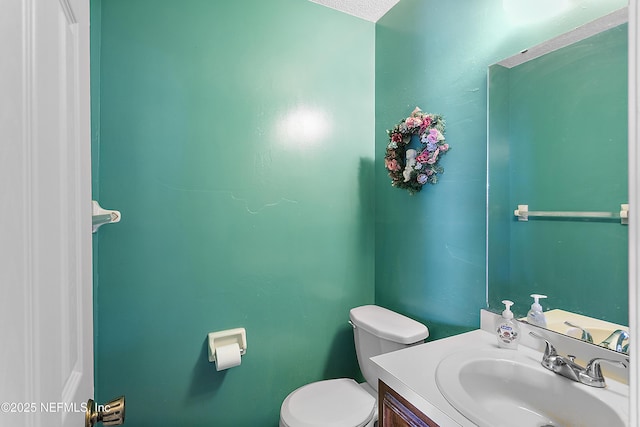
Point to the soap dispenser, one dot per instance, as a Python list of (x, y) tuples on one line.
[(535, 316), (507, 329)]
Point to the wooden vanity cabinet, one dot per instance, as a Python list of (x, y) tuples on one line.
[(395, 411)]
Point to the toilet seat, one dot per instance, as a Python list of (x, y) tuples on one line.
[(331, 403)]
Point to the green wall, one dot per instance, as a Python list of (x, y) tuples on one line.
[(566, 114), (430, 248), (236, 140)]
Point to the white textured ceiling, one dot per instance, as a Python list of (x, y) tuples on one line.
[(371, 10)]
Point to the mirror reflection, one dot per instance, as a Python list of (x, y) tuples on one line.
[(557, 156)]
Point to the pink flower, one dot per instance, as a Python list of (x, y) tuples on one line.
[(426, 122), (444, 147), (434, 157), (423, 157), (413, 122), (429, 172), (392, 164), (416, 111), (396, 137)]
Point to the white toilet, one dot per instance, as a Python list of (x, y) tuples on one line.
[(343, 402)]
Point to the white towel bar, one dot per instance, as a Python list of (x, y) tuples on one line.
[(523, 213)]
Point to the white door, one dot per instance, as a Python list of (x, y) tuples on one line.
[(46, 328)]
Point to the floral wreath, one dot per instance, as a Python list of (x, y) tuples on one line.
[(410, 168)]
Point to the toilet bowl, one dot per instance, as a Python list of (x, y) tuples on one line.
[(331, 403), (343, 402)]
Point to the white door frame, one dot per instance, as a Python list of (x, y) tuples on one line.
[(634, 210)]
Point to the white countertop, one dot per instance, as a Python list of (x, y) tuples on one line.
[(412, 373)]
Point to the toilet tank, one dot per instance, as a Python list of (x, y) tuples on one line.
[(377, 330)]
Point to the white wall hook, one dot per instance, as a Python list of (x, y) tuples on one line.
[(103, 216)]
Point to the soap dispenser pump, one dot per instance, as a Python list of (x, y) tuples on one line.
[(535, 316), (507, 329)]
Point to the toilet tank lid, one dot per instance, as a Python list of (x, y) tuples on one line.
[(387, 324)]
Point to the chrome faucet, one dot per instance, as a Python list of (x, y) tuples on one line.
[(590, 375), (586, 336), (621, 336)]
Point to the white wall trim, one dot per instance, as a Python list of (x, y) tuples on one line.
[(29, 131), (589, 29), (634, 220)]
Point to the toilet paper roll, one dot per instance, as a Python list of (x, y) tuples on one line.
[(227, 356)]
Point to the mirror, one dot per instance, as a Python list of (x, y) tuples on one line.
[(557, 143)]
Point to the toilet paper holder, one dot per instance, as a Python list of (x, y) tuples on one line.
[(227, 337)]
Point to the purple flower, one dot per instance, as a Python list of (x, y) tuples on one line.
[(433, 136), (422, 179)]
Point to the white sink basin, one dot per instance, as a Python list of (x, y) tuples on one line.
[(506, 388)]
